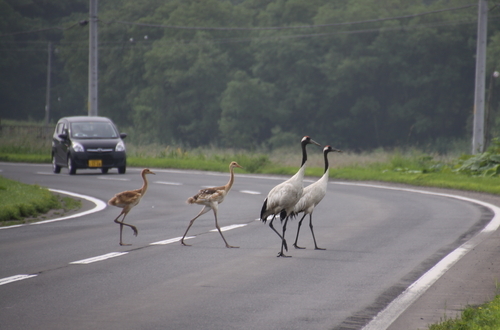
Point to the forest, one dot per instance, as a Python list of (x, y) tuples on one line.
[(357, 74)]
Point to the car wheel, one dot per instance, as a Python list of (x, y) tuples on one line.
[(122, 170), (71, 165), (55, 168), (104, 170)]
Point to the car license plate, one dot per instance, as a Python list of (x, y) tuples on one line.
[(95, 163)]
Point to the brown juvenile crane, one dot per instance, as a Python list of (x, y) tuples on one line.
[(127, 200), (210, 198)]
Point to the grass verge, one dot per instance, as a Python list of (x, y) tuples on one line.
[(484, 317), (21, 203)]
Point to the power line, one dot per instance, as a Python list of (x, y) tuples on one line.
[(84, 22), (287, 27), (148, 43), (43, 30)]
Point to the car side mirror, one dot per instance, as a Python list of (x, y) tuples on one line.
[(63, 136), (123, 135)]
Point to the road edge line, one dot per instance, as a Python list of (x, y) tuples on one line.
[(395, 308)]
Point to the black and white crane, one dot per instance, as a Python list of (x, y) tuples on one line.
[(283, 197), (311, 196)]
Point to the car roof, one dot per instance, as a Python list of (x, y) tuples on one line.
[(85, 118)]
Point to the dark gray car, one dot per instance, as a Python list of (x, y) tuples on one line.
[(88, 142)]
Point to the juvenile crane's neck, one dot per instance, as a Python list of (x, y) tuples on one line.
[(144, 184), (231, 178)]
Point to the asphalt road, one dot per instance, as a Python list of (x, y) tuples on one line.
[(378, 242)]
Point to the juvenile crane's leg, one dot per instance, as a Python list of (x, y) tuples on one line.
[(122, 223), (312, 231), (298, 230), (214, 208), (204, 210), (283, 241)]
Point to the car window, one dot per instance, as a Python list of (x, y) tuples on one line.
[(60, 128), (93, 130)]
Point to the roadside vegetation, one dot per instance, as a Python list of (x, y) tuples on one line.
[(484, 317), (22, 203)]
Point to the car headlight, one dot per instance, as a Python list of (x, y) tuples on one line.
[(120, 146), (77, 147)]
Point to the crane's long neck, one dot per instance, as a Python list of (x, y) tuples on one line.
[(304, 154), (327, 165), (145, 184), (231, 179)]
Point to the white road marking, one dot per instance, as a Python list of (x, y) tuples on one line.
[(99, 258), (388, 315), (226, 228), (112, 178), (14, 278), (251, 192), (169, 183), (45, 173), (169, 241), (99, 205)]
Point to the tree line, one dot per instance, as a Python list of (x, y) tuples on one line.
[(358, 74)]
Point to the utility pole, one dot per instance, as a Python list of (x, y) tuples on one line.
[(478, 128), (93, 60), (47, 95)]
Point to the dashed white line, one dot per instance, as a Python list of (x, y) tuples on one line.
[(14, 278), (226, 228), (99, 258), (171, 240), (112, 178), (251, 192), (169, 183)]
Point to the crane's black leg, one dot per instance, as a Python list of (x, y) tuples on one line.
[(312, 231), (283, 241), (298, 230)]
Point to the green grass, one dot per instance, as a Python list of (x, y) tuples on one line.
[(484, 317), (19, 200)]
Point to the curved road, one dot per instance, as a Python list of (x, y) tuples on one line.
[(73, 274)]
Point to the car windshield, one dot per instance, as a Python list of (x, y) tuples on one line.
[(93, 130)]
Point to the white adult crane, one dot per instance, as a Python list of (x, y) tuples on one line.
[(282, 198), (312, 195)]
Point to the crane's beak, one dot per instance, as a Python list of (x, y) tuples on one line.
[(336, 150), (314, 142)]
